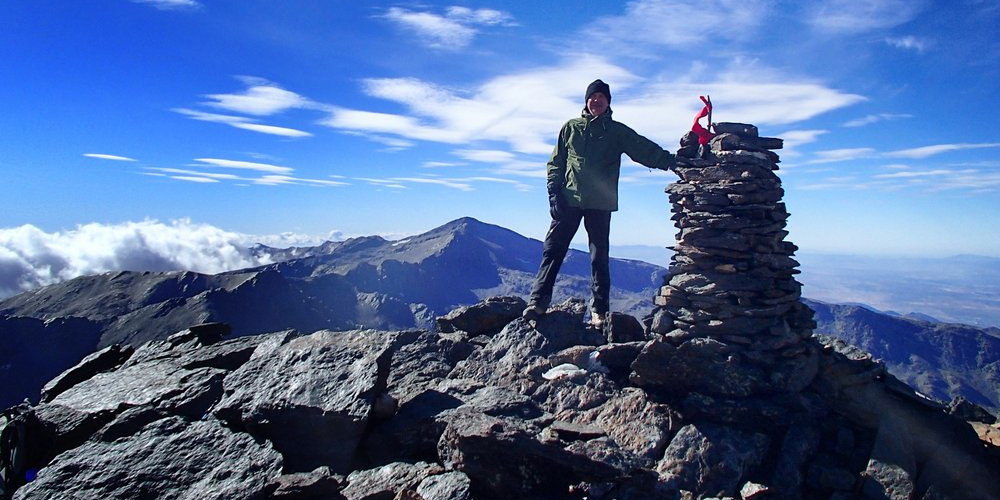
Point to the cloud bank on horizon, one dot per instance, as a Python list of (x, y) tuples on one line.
[(31, 258)]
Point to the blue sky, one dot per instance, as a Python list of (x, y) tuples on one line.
[(299, 120)]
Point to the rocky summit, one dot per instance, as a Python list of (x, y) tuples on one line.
[(501, 408), (722, 391)]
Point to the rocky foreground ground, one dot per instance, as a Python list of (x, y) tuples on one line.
[(489, 407)]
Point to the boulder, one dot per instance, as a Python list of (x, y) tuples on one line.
[(389, 480), (413, 432), (178, 459), (448, 486), (605, 450), (487, 317), (699, 365), (420, 360), (799, 444), (318, 484), (515, 357), (159, 383), (636, 423), (621, 328), (226, 355), (753, 491), (501, 456), (711, 459), (574, 393), (312, 396)]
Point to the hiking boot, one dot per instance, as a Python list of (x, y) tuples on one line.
[(597, 319), (533, 312)]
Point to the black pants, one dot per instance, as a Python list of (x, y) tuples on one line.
[(561, 232)]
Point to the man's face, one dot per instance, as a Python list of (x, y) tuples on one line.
[(597, 103)]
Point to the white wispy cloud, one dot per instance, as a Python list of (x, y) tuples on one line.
[(833, 185), (197, 179), (908, 43), (274, 175), (275, 180), (455, 29), (497, 111), (108, 157), (171, 4), (842, 179), (858, 16), (523, 168), (971, 181), (190, 173), (245, 165), (745, 91), (925, 151), (441, 164), (843, 154), (520, 186), (792, 139), (494, 111), (875, 118), (485, 155), (393, 143), (242, 122), (261, 98), (486, 17), (461, 184), (925, 173), (389, 183), (974, 183), (679, 24)]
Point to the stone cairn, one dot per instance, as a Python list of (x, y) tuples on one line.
[(730, 296)]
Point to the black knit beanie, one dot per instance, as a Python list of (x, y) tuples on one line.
[(598, 86)]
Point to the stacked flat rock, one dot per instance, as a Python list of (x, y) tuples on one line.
[(731, 279)]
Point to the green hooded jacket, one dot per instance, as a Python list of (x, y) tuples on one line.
[(588, 157)]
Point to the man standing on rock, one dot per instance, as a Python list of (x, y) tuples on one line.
[(583, 185)]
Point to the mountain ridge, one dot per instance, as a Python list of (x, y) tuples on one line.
[(366, 282), (372, 282), (966, 357)]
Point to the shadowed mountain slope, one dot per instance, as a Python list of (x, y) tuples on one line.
[(371, 282), (367, 282), (941, 360)]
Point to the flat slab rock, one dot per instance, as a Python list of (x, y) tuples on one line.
[(178, 459), (312, 397), (159, 383)]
